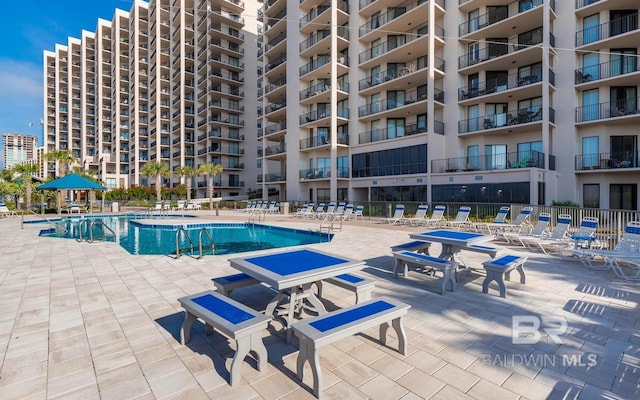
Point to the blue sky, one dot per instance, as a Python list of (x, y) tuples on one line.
[(27, 28)]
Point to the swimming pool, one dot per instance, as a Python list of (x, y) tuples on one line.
[(140, 234)]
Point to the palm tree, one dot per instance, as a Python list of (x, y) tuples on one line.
[(188, 172), (210, 170), (25, 171), (159, 170), (65, 159)]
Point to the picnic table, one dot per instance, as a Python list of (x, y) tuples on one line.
[(452, 241)]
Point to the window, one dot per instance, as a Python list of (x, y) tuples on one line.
[(324, 195), (495, 156), (473, 157), (622, 21), (421, 123), (623, 196), (624, 151), (529, 74), (497, 81), (343, 166), (324, 167), (375, 75), (590, 150), (474, 52), (530, 154), (405, 160), (395, 99), (473, 113), (622, 61), (591, 67), (473, 22), (375, 130), (589, 108), (623, 100), (395, 127), (376, 48), (375, 103), (497, 47), (591, 195), (497, 13), (590, 29), (530, 38), (394, 41), (495, 115), (323, 136)]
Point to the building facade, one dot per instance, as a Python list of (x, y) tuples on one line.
[(525, 101), (18, 148)]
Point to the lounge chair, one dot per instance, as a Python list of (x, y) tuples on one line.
[(74, 208), (180, 205), (558, 233), (585, 236), (300, 211), (197, 206), (398, 215), (5, 212), (462, 218), (329, 211), (520, 225), (348, 212), (436, 216), (625, 255), (158, 207), (339, 209), (309, 212), (538, 232), (190, 206), (498, 221), (359, 212), (419, 218)]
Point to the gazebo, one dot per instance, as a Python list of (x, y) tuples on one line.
[(73, 182)]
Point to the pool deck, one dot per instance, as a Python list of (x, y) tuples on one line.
[(91, 321)]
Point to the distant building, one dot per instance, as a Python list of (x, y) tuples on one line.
[(18, 148)]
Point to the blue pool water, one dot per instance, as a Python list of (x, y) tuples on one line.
[(159, 237)]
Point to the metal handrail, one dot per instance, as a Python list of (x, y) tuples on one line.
[(102, 226), (60, 226), (201, 254), (83, 222), (178, 253)]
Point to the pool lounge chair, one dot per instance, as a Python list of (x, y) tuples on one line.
[(584, 237), (419, 218), (499, 220), (398, 215), (558, 233), (462, 218), (436, 216), (359, 212), (180, 205), (348, 212), (626, 255), (539, 231), (520, 225), (319, 211), (5, 212)]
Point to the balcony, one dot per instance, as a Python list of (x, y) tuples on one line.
[(612, 160), (390, 45), (315, 173), (618, 109), (508, 119), (628, 23), (498, 85), (400, 101), (276, 177), (500, 14), (273, 150), (513, 160), (321, 140), (380, 19), (314, 38), (384, 134), (623, 66)]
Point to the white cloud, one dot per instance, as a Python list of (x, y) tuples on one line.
[(20, 84)]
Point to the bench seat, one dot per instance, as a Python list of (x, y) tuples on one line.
[(229, 283), (448, 268), (234, 320), (362, 287), (500, 268), (417, 245), (323, 330)]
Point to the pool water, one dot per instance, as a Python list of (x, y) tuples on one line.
[(159, 237)]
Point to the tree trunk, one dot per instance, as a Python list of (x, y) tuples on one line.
[(158, 188), (210, 184), (188, 183)]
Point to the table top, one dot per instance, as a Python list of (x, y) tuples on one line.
[(450, 237), (286, 269)]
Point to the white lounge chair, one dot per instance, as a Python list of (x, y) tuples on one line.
[(398, 215), (419, 218), (348, 212), (319, 211), (498, 221), (520, 225), (436, 216), (180, 205), (585, 236), (5, 212), (539, 231), (462, 218), (359, 212)]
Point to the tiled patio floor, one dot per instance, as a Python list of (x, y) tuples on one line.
[(85, 321)]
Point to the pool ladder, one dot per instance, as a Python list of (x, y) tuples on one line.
[(260, 215), (201, 233), (100, 226)]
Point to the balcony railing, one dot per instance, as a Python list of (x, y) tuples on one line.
[(271, 150), (606, 30), (612, 160), (319, 61), (513, 160), (616, 109), (313, 14), (392, 103), (514, 44), (389, 45), (322, 140), (380, 19), (314, 38), (499, 14), (399, 72), (385, 134), (498, 85), (584, 3), (624, 65), (510, 118), (273, 128), (317, 115), (315, 173)]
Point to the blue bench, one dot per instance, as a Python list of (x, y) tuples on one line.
[(362, 287), (323, 330), (231, 318), (417, 245), (229, 283), (500, 268), (448, 268)]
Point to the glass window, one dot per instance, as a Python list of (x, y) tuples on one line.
[(473, 113), (590, 152), (473, 20), (473, 157), (591, 67), (623, 196), (590, 110), (495, 156), (591, 29), (395, 127), (622, 61), (591, 195)]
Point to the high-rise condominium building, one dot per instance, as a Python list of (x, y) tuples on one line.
[(18, 148), (524, 101)]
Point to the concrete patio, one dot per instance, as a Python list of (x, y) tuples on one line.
[(85, 321)]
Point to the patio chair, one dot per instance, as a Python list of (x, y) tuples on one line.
[(339, 209), (348, 212), (462, 218), (625, 255), (520, 225), (300, 211), (158, 206), (5, 212), (330, 209), (398, 215), (319, 211), (498, 221), (190, 206), (359, 212), (180, 205), (436, 216), (197, 206), (419, 218), (539, 231), (310, 211), (166, 206), (585, 236)]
